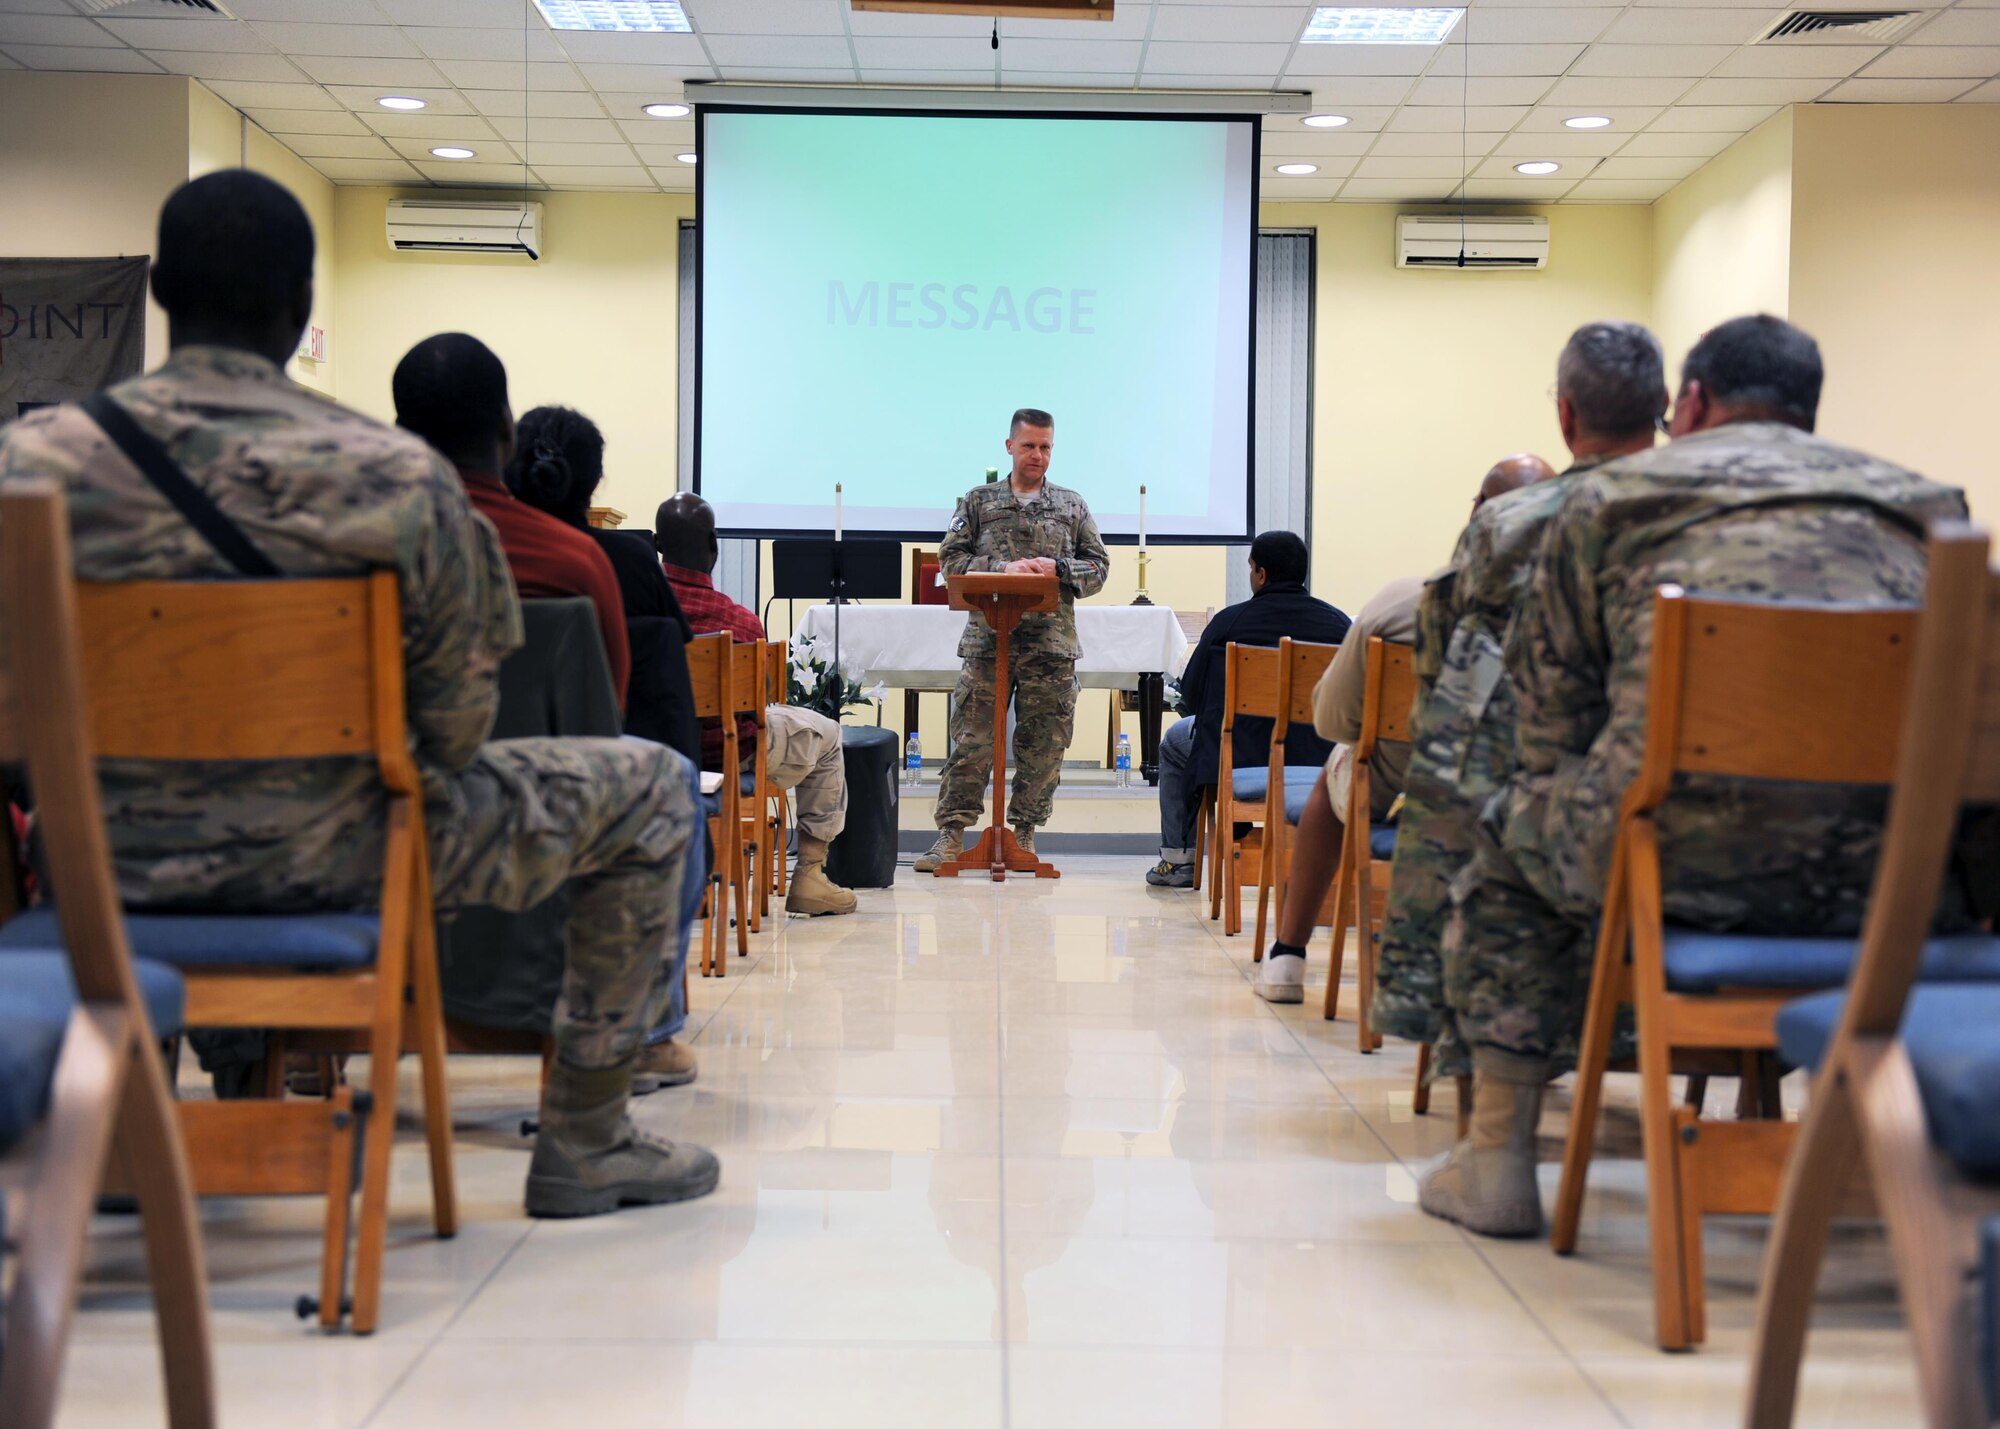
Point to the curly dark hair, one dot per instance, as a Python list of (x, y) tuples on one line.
[(558, 462)]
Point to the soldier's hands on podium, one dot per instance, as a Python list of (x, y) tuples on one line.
[(1032, 566)]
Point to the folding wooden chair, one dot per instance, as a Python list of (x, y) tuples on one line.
[(776, 803), (747, 694), (1913, 1115), (710, 671), (1361, 886), (109, 1099), (1747, 690), (1300, 664)]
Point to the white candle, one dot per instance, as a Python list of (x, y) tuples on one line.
[(836, 511), (1142, 518)]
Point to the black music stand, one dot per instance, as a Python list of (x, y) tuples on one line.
[(836, 571)]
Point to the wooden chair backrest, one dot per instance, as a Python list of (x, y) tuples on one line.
[(44, 723), (777, 672), (1300, 665), (1389, 695), (924, 568), (1764, 690), (708, 673), (1250, 679), (1193, 623), (746, 679)]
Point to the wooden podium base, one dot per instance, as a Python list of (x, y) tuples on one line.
[(997, 852)]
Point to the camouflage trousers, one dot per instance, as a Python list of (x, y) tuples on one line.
[(612, 820), (1044, 695)]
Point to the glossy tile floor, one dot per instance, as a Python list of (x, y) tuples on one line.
[(1030, 1155)]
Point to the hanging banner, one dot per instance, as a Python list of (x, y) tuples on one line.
[(68, 327)]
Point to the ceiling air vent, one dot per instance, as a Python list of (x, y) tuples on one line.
[(157, 9), (1878, 25)]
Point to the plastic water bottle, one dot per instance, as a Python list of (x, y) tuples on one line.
[(913, 761), (1124, 760)]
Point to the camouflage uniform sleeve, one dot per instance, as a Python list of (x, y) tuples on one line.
[(1557, 653), (958, 552), (461, 618), (1084, 570)]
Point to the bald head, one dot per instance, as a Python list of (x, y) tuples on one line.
[(684, 532), (1511, 473)]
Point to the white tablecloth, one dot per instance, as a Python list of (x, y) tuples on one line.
[(916, 646)]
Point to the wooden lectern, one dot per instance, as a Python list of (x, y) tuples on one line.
[(1000, 600)]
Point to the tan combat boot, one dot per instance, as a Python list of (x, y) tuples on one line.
[(663, 1064), (1487, 1184), (950, 844), (590, 1159), (812, 892), (1024, 835)]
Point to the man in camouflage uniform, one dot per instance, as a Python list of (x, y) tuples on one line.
[(1024, 524), (1745, 501), (321, 490), (1611, 390)]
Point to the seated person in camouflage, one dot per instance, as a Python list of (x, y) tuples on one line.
[(1611, 391), (1027, 525), (1191, 751), (322, 490), (1746, 501)]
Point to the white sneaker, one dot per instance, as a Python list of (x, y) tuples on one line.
[(1281, 978)]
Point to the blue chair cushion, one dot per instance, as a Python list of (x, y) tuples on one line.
[(1382, 841), (36, 996), (1699, 962), (320, 941), (749, 786), (1952, 1035), (1251, 785)]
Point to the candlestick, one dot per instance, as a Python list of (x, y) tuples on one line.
[(1142, 522), (836, 511)]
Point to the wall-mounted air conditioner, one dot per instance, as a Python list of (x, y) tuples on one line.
[(418, 225), (1425, 240)]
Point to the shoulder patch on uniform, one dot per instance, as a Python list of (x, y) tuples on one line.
[(958, 523)]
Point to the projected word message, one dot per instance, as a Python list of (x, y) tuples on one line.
[(962, 308)]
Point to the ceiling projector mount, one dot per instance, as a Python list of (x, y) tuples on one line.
[(990, 9)]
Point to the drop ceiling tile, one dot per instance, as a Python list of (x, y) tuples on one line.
[(336, 146), (459, 173), (660, 79), (1898, 91), (516, 43), (1518, 60), (365, 171), (94, 59), (760, 74), (274, 96), (1079, 56), (1634, 61), (1563, 144), (782, 51), (1392, 191), (1596, 190), (923, 52), (440, 128), (1251, 82), (1937, 62), (1656, 143), (306, 121), (1128, 23), (1215, 59), (53, 30), (39, 7), (873, 22), (1624, 120), (1988, 93), (1502, 167), (593, 176), (356, 41), (1491, 117), (489, 151), (1341, 94), (6, 63), (1623, 166), (1553, 24), (1960, 27), (1359, 116), (559, 131), (663, 156), (1548, 190), (599, 156), (1314, 188), (1410, 166), (1755, 91), (587, 47), (274, 69), (929, 78), (1307, 145), (1685, 26), (1592, 93), (1801, 61), (329, 69), (677, 178), (215, 36), (1323, 169), (361, 99), (1279, 24), (348, 12), (1360, 59), (1713, 118), (674, 134), (1456, 90), (765, 17), (630, 104), (511, 74), (540, 103), (1391, 146)]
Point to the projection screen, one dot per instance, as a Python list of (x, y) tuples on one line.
[(879, 291)]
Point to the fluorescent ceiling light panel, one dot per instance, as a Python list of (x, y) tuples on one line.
[(1298, 168), (627, 15), (1324, 121), (1338, 25)]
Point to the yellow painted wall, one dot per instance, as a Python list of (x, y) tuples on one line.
[(1722, 240), (1896, 270)]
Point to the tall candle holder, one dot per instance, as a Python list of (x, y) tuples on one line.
[(1142, 598)]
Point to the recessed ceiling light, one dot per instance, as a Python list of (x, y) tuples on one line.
[(1588, 121), (399, 101), (1298, 168), (1324, 121), (653, 15), (687, 158), (1539, 166), (668, 111), (451, 152), (1338, 25)]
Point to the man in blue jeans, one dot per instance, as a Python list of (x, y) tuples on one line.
[(1191, 752)]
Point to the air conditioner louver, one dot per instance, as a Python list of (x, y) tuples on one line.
[(162, 9), (443, 226), (1878, 25), (1475, 241)]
